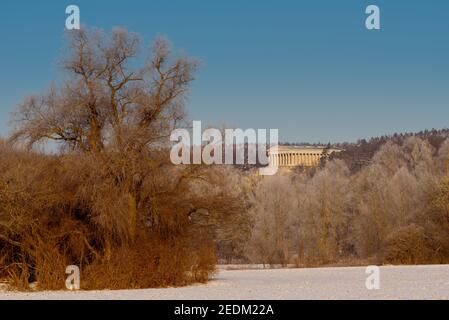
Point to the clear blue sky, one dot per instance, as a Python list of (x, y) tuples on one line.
[(309, 68)]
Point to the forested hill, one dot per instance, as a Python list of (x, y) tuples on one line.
[(358, 154)]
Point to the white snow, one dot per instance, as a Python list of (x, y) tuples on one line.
[(396, 282)]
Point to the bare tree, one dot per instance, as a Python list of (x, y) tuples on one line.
[(106, 102), (110, 110)]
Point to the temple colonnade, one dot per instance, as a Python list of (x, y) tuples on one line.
[(292, 156)]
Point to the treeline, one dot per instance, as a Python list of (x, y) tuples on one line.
[(357, 155), (394, 209)]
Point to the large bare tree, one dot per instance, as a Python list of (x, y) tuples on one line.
[(116, 113), (120, 116), (107, 102)]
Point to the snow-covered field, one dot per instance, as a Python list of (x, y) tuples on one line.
[(396, 282)]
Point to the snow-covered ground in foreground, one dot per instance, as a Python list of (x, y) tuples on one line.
[(396, 282)]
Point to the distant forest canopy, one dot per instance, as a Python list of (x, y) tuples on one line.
[(436, 135), (357, 154)]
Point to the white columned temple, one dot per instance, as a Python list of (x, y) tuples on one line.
[(298, 156)]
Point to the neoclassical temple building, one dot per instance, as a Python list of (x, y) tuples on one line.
[(296, 156)]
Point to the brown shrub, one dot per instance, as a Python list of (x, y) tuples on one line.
[(407, 245), (60, 211), (152, 263)]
